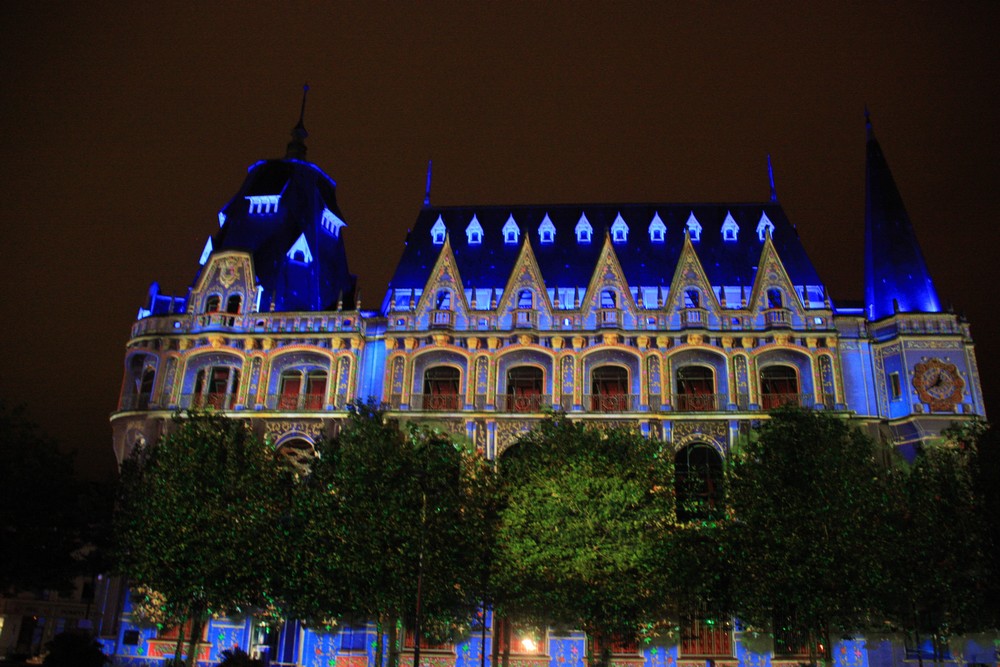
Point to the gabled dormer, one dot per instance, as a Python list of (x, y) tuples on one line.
[(225, 290), (657, 230), (608, 301), (765, 228), (691, 301), (693, 228), (511, 232), (730, 230), (474, 231), (525, 301), (442, 303), (619, 230), (300, 251), (546, 231), (584, 230), (774, 302), (439, 232)]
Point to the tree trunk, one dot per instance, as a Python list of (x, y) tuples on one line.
[(179, 646), (393, 640), (506, 643), (197, 623), (495, 644), (379, 641)]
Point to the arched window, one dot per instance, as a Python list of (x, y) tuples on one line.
[(524, 389), (692, 298), (609, 299), (443, 301), (441, 387), (609, 389), (779, 385), (213, 303), (289, 390), (233, 304), (298, 454), (525, 299), (302, 390), (774, 298), (216, 387), (145, 388), (696, 389), (698, 482)]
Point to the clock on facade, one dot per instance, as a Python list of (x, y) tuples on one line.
[(938, 384)]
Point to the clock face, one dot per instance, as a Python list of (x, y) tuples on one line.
[(938, 383)]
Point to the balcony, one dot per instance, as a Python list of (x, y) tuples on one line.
[(210, 400), (219, 320), (777, 318), (700, 402), (608, 317), (774, 401), (523, 402), (294, 402), (611, 402), (442, 319), (524, 319), (435, 402), (694, 318)]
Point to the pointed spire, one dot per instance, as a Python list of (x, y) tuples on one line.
[(296, 149), (427, 189), (770, 178), (896, 275)]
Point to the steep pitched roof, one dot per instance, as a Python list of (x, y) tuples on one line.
[(567, 262), (896, 274)]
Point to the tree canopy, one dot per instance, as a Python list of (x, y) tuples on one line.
[(196, 518), (584, 511)]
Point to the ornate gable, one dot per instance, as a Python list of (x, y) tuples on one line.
[(771, 276), (444, 280), (608, 275), (690, 290), (525, 276), (225, 274)]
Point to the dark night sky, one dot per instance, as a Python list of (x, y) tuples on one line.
[(126, 127)]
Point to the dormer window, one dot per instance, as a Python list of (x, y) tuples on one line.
[(774, 298), (525, 299), (692, 299), (263, 204), (331, 222), (474, 231), (765, 227), (730, 229), (583, 230), (546, 230), (300, 252), (438, 232), (609, 299), (693, 227), (619, 230), (657, 230), (213, 303), (511, 232)]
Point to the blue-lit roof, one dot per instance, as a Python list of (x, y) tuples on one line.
[(896, 275), (567, 262)]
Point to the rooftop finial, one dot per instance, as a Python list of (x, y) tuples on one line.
[(427, 189), (770, 178), (296, 149)]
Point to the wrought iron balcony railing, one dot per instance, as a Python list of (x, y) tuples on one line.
[(436, 402), (217, 401), (700, 402), (611, 402), (523, 402), (294, 402)]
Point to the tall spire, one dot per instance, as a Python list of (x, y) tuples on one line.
[(770, 179), (896, 275), (296, 149), (427, 189)]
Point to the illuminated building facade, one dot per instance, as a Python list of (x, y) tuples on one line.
[(686, 321)]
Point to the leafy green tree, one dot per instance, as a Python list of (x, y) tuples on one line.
[(47, 517), (584, 513), (196, 518), (938, 590), (387, 515), (813, 504)]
